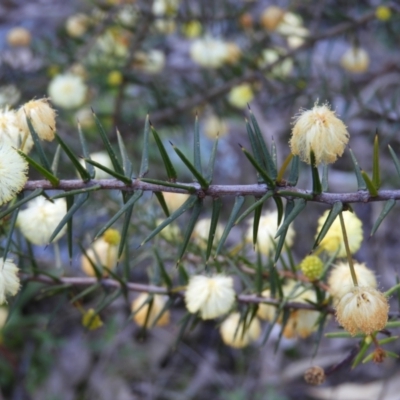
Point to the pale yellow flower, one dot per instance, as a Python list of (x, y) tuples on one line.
[(362, 309), (91, 320), (319, 130), (269, 56), (209, 52), (333, 240), (171, 232), (174, 200), (42, 116), (202, 229), (291, 26), (355, 60), (146, 312), (241, 95), (271, 17), (266, 311), (383, 13), (9, 280), (340, 281), (102, 158), (19, 37), (11, 132), (67, 90), (211, 297), (9, 95), (103, 253), (233, 53), (192, 29), (151, 62), (77, 25), (13, 172), (267, 228), (85, 117), (214, 126), (41, 217), (239, 333), (312, 267)]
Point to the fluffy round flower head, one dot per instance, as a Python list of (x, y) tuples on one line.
[(241, 95), (271, 17), (291, 26), (76, 25), (214, 126), (312, 267), (102, 158), (67, 91), (11, 132), (174, 200), (319, 130), (355, 60), (19, 36), (211, 296), (333, 240), (283, 69), (340, 281), (267, 228), (103, 253), (146, 313), (209, 52), (362, 309), (239, 333), (9, 280), (42, 116), (13, 172), (201, 231), (39, 220)]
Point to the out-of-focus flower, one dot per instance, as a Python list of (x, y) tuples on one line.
[(102, 158), (211, 296), (114, 78), (13, 173), (201, 232), (147, 310), (214, 126), (9, 280), (233, 53), (67, 91), (314, 376), (77, 25), (333, 240), (340, 281), (209, 52), (151, 62), (383, 13), (103, 253), (192, 29), (312, 267), (39, 220), (127, 15), (271, 17), (174, 200), (165, 10), (42, 116), (3, 316), (267, 228), (266, 311), (9, 95), (11, 132), (19, 36), (291, 26), (79, 70), (239, 333), (281, 70), (85, 117), (355, 60), (91, 320), (241, 95), (320, 130), (246, 21), (171, 232), (362, 309)]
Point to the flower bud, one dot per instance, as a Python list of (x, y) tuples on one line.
[(91, 320), (383, 13), (312, 267), (241, 95), (146, 311)]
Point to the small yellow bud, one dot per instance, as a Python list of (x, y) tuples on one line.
[(241, 95), (312, 267), (314, 376), (91, 320), (112, 237), (383, 13), (192, 29), (18, 37), (114, 78)]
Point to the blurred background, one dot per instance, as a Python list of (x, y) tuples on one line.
[(175, 60)]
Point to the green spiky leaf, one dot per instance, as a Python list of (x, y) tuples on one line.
[(333, 213), (385, 211), (171, 173)]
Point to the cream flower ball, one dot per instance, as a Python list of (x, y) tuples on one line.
[(13, 173), (266, 311), (67, 91), (77, 25), (174, 200), (12, 133), (39, 220), (340, 281), (267, 228), (319, 130), (211, 296), (209, 52), (19, 36), (355, 60), (241, 95), (201, 231), (333, 240), (362, 309), (9, 280), (147, 313), (239, 333), (102, 158), (42, 116)]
